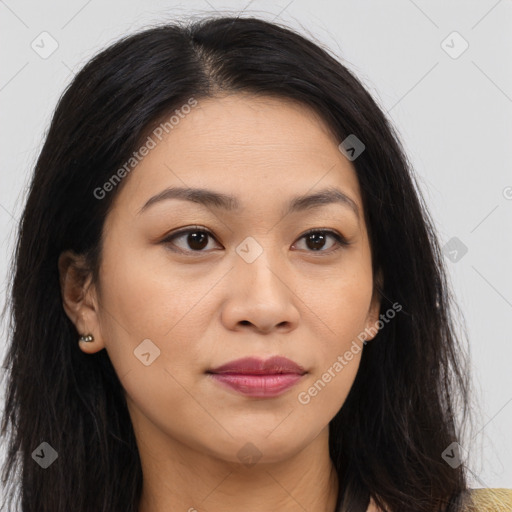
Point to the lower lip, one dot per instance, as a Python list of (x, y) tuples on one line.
[(260, 386)]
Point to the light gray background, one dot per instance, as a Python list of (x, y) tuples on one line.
[(454, 116)]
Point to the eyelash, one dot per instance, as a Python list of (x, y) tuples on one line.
[(340, 240)]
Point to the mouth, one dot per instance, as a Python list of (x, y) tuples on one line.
[(259, 378)]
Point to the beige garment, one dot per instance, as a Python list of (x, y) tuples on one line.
[(490, 500), (483, 500)]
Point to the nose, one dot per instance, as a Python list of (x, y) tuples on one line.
[(260, 297)]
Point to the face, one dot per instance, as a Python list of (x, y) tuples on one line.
[(190, 285)]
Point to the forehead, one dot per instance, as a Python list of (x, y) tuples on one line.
[(242, 145), (238, 123)]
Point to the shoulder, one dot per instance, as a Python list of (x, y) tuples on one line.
[(489, 500)]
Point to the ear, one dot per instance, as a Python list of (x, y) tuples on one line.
[(79, 299), (373, 312)]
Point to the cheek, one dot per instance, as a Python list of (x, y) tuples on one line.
[(147, 297), (144, 310), (338, 312), (337, 357), (325, 392), (338, 306), (154, 326)]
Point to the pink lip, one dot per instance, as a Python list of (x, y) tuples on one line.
[(258, 378)]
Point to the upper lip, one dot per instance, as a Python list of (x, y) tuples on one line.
[(256, 366)]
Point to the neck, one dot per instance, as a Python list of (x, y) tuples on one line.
[(180, 478)]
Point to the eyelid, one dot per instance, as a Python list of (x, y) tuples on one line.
[(167, 240), (341, 241), (339, 237)]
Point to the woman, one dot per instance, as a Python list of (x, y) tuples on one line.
[(225, 210)]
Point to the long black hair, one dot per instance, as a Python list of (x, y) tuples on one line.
[(410, 396)]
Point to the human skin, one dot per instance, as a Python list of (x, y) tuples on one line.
[(203, 309)]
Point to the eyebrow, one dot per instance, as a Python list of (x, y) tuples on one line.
[(219, 200)]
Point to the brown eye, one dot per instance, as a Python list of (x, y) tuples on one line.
[(316, 240), (197, 240), (192, 240)]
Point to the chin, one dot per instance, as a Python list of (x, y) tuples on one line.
[(261, 448)]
